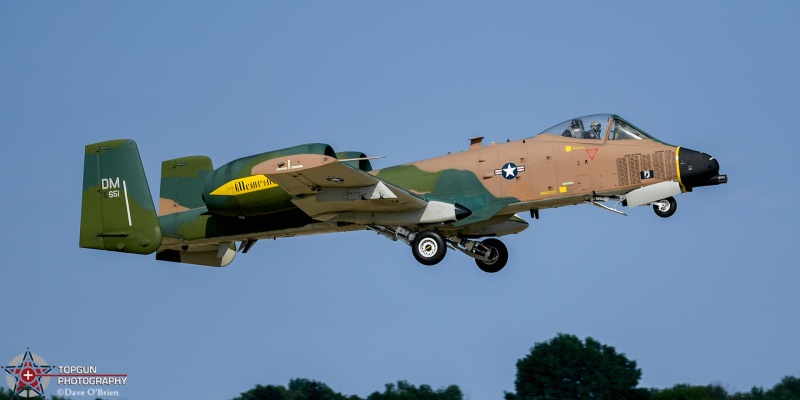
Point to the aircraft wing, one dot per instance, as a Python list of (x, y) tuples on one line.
[(329, 190)]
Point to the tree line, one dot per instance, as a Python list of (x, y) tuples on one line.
[(303, 389), (562, 368)]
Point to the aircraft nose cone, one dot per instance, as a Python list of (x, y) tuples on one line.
[(697, 168)]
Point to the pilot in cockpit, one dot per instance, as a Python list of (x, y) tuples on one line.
[(575, 129), (594, 131)]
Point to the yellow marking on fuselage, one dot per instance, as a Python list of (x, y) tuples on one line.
[(678, 167), (244, 185), (547, 192), (562, 189)]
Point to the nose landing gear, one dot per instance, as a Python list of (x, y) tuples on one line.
[(666, 207)]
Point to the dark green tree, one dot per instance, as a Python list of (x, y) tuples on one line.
[(690, 392), (787, 389), (269, 392), (306, 389), (566, 368), (299, 389), (717, 392), (756, 393), (406, 391)]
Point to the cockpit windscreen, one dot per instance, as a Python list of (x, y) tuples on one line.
[(588, 127), (598, 126)]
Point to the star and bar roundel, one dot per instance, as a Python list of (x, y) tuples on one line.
[(510, 170)]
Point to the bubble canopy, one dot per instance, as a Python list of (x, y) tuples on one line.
[(598, 127)]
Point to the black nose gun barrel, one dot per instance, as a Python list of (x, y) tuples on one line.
[(715, 180)]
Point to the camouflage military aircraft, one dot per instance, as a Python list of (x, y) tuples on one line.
[(448, 201)]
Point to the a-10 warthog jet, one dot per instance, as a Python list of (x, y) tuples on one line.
[(448, 201)]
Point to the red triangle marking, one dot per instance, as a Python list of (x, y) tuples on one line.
[(591, 152)]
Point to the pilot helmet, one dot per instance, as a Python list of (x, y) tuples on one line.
[(576, 124), (595, 125)]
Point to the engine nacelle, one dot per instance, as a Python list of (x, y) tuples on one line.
[(355, 159), (233, 189)]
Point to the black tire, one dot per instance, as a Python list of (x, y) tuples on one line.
[(498, 254), (669, 208), (428, 248)]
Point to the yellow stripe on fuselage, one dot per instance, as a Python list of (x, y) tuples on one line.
[(245, 185), (678, 167)]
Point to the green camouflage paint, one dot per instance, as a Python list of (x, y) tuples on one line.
[(117, 210)]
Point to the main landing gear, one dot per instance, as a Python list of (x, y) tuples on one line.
[(496, 256), (430, 247)]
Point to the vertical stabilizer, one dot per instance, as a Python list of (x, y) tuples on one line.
[(182, 183), (117, 210)]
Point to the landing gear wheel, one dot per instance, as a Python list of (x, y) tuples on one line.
[(498, 256), (428, 248), (665, 208)]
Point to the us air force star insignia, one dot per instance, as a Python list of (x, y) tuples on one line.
[(510, 170)]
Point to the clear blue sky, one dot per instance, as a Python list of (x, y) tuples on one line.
[(709, 295)]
